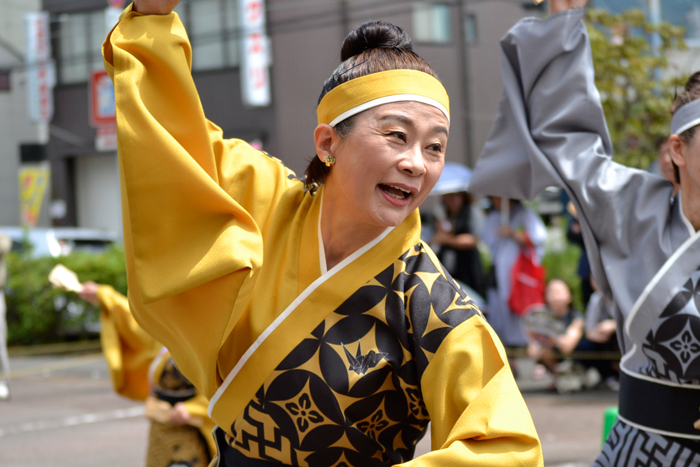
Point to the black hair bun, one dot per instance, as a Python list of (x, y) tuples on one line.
[(375, 35), (691, 85)]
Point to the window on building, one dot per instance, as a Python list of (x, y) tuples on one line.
[(211, 26), (470, 29), (80, 37), (432, 23)]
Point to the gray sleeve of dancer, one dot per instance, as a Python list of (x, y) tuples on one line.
[(551, 131)]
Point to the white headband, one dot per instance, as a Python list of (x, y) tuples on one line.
[(686, 117)]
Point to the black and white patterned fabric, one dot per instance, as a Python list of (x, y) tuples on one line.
[(673, 345), (349, 394), (628, 446)]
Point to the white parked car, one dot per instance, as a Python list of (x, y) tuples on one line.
[(58, 241)]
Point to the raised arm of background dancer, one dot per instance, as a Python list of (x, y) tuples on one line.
[(127, 348), (551, 130), (183, 185)]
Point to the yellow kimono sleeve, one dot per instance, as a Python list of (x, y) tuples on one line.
[(128, 350), (194, 205), (478, 416), (197, 407)]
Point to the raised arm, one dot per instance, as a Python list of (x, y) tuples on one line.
[(551, 131), (155, 7), (195, 205)]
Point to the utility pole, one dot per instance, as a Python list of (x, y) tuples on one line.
[(344, 18), (655, 19), (466, 84)]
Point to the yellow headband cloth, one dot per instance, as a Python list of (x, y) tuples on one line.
[(365, 92)]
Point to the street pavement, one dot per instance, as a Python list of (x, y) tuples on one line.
[(63, 412)]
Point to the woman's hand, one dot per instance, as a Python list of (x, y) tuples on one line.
[(89, 293), (555, 6), (155, 7), (179, 414)]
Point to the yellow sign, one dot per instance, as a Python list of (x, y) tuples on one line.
[(32, 185)]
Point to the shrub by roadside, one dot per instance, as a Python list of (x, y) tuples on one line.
[(39, 314)]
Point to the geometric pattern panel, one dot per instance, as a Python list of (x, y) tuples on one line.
[(349, 394), (628, 446), (672, 346)]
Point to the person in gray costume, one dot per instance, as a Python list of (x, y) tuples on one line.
[(644, 249)]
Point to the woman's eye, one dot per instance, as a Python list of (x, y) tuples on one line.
[(435, 148), (398, 135)]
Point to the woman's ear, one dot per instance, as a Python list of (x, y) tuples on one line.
[(677, 150), (325, 139)]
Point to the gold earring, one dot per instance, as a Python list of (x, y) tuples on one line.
[(329, 160)]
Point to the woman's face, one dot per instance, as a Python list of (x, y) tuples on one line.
[(692, 159), (687, 158), (387, 165)]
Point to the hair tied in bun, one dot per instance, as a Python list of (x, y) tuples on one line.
[(352, 67), (375, 35)]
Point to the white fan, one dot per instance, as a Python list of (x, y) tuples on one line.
[(63, 278)]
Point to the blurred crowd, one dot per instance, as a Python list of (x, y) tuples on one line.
[(479, 242)]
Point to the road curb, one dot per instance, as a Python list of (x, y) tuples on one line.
[(57, 348)]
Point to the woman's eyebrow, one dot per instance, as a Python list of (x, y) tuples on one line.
[(409, 122), (398, 118)]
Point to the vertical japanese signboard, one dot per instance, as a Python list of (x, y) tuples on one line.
[(102, 107), (32, 185), (102, 111), (40, 70), (255, 80)]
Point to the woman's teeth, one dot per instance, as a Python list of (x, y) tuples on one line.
[(395, 191)]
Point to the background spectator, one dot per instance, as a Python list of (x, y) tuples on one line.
[(5, 247), (458, 240), (555, 331), (505, 238), (601, 336)]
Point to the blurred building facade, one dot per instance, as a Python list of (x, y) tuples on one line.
[(20, 138), (457, 37)]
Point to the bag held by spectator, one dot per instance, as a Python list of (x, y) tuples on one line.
[(527, 283)]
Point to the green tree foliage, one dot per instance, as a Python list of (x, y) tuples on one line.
[(635, 84), (37, 313)]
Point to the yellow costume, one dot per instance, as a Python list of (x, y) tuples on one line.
[(303, 365), (142, 369)]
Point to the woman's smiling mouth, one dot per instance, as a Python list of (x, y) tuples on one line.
[(395, 194)]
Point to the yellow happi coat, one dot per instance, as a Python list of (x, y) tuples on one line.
[(303, 365), (139, 365)]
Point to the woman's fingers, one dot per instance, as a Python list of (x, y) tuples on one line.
[(555, 6), (155, 7)]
